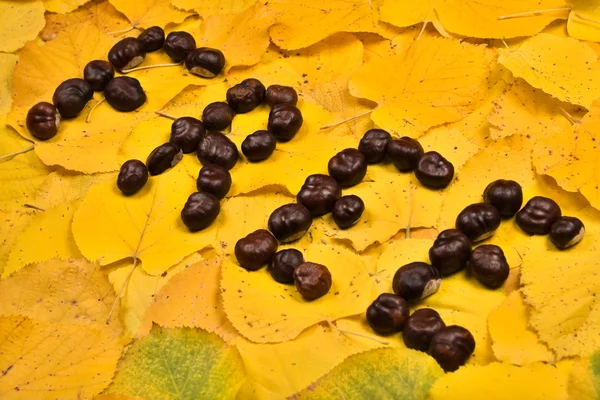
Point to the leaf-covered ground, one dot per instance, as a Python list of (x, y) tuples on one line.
[(110, 297)]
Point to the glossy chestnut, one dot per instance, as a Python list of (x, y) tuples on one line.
[(214, 179), (319, 193), (387, 314), (43, 121), (285, 120), (450, 252), (259, 145), (278, 94), (200, 210), (257, 86), (538, 215), (434, 171), (216, 148), (478, 221), (347, 210), (416, 280), (98, 73), (489, 266), (255, 249), (186, 133), (312, 280), (374, 144), (178, 44), (242, 99), (125, 94), (282, 265), (505, 195), (205, 62), (217, 116), (127, 53), (420, 328), (71, 96), (152, 38), (348, 167), (405, 153), (289, 222), (451, 347), (132, 176), (163, 157), (566, 232)]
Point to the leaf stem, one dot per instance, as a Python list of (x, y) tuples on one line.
[(506, 44), (422, 30), (7, 157), (125, 283), (34, 207), (332, 325), (126, 71), (533, 13), (568, 116), (586, 18), (88, 119), (122, 31), (346, 120), (163, 114)]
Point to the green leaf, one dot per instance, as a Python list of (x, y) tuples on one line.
[(179, 364), (388, 373)]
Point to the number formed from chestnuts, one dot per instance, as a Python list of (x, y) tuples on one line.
[(71, 96), (186, 133), (538, 215), (216, 148), (312, 280), (289, 222), (405, 153), (420, 328), (416, 280), (283, 263), (348, 167), (256, 249), (374, 144), (434, 171), (285, 120), (217, 116), (259, 145), (388, 313), (205, 62), (98, 73), (124, 94), (489, 266), (478, 221), (127, 53), (163, 157), (178, 44), (132, 176), (43, 121), (278, 94), (152, 39), (450, 252), (347, 211), (505, 195), (319, 193), (214, 179), (200, 210), (451, 347), (566, 232), (246, 95)]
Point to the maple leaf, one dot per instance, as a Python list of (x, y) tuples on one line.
[(20, 21)]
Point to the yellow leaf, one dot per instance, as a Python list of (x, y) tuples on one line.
[(66, 361), (8, 62), (540, 61), (501, 381), (62, 187), (63, 6), (407, 13), (208, 8), (146, 13), (20, 21), (452, 144), (310, 21), (435, 81), (583, 20), (512, 341), (14, 222), (192, 100), (265, 311), (584, 380)]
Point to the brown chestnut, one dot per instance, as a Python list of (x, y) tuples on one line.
[(127, 53), (71, 96), (538, 215), (489, 266), (178, 44), (214, 179), (255, 249), (216, 148), (186, 133), (451, 347), (285, 120), (259, 145), (205, 62), (374, 145), (420, 328), (478, 221), (312, 280), (347, 211), (163, 157), (505, 195), (152, 39), (282, 265), (217, 116), (257, 86), (450, 252), (132, 176), (348, 167), (200, 210), (416, 280), (290, 222), (242, 99), (566, 232), (434, 171), (405, 153), (98, 73), (278, 94), (43, 121), (387, 314), (319, 193), (124, 94)]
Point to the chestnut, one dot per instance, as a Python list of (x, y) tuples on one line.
[(319, 193), (71, 96), (416, 280), (285, 120), (132, 176), (405, 153), (347, 211), (489, 266), (312, 280), (217, 116), (186, 133), (124, 94), (450, 252), (282, 265), (566, 232), (214, 179), (434, 171), (374, 145), (278, 94), (43, 121), (451, 347), (478, 221), (216, 148), (538, 215), (242, 99), (505, 195), (163, 157), (178, 44), (259, 145), (290, 222), (200, 210), (387, 314), (256, 86), (348, 167), (127, 53), (205, 62), (255, 249), (98, 73), (152, 39), (420, 328)]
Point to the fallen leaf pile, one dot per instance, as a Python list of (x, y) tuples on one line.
[(111, 297)]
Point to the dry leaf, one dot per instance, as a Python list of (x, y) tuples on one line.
[(147, 13), (584, 381), (21, 21)]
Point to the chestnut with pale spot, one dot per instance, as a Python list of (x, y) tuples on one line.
[(478, 221), (205, 62), (416, 280), (127, 53), (566, 232)]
